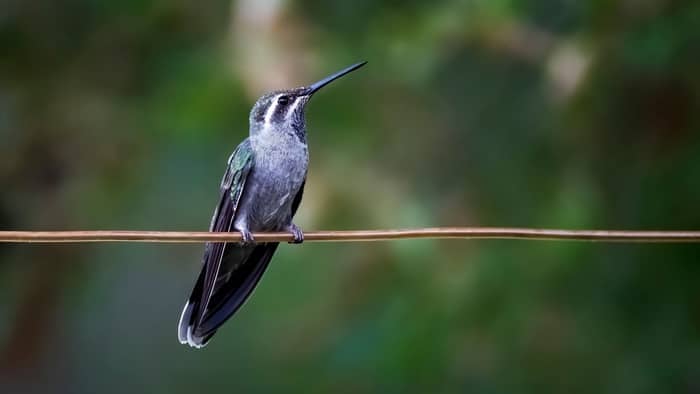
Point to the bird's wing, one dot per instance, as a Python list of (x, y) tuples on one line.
[(212, 277), (232, 185)]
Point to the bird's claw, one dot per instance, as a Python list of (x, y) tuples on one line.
[(298, 234), (246, 237)]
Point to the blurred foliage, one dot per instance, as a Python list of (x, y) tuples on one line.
[(120, 115)]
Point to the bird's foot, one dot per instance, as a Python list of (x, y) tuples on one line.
[(246, 237), (298, 234)]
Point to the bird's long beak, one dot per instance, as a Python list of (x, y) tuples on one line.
[(313, 88)]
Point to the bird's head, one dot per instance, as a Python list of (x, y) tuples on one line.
[(283, 110)]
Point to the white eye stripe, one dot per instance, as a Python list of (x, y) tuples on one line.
[(294, 106), (271, 110)]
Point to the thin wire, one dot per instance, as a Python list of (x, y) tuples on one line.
[(353, 236)]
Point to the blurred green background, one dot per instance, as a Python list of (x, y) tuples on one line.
[(556, 113)]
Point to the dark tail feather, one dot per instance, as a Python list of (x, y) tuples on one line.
[(184, 332), (242, 268), (185, 327)]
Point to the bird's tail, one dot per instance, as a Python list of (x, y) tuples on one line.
[(184, 331), (240, 270), (185, 327)]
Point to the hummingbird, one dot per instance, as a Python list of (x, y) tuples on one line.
[(260, 191)]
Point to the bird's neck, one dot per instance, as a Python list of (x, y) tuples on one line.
[(278, 135), (273, 140), (279, 152)]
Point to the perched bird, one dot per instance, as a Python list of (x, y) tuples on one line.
[(261, 190)]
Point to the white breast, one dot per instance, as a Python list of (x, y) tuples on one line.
[(280, 167)]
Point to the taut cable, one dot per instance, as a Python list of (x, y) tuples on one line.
[(353, 236)]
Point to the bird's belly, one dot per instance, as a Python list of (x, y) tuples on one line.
[(277, 183)]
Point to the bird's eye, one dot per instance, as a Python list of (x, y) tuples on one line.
[(284, 100)]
